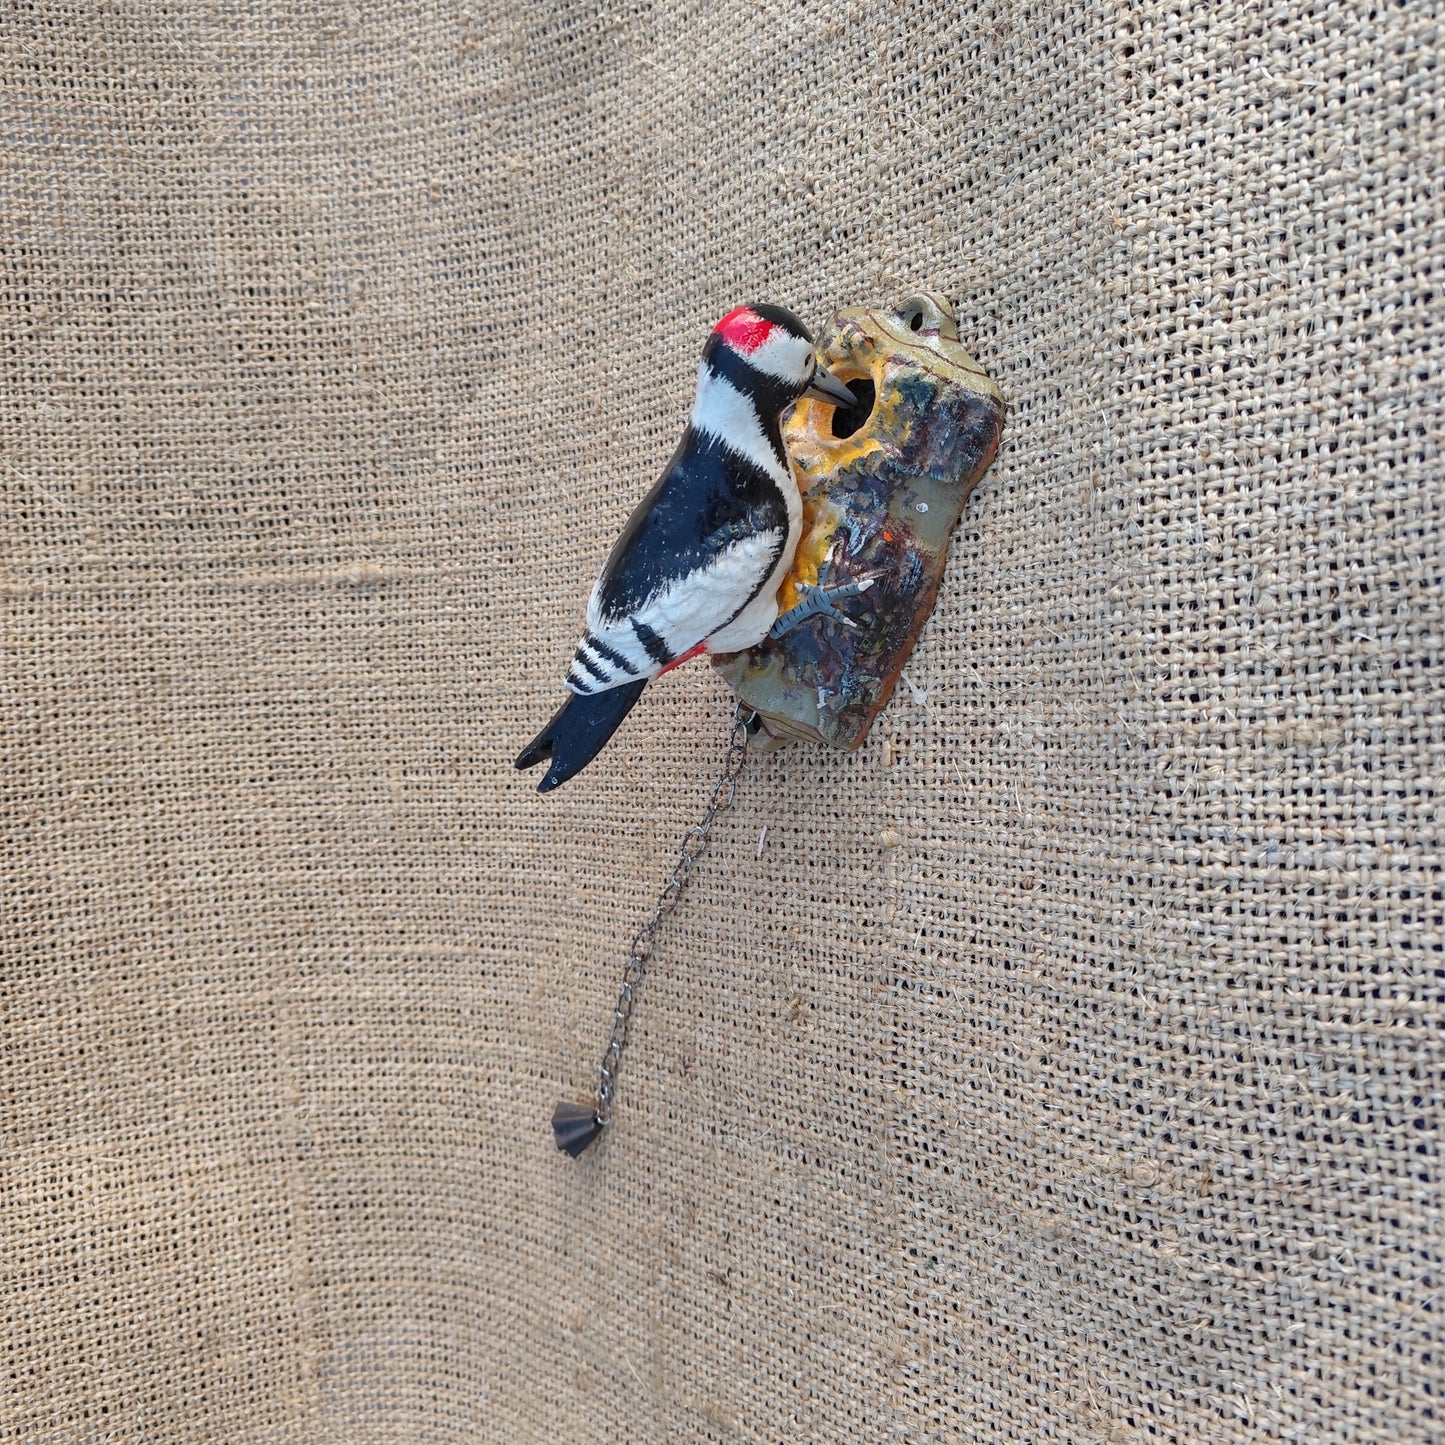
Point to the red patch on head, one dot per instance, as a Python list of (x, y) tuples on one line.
[(743, 330)]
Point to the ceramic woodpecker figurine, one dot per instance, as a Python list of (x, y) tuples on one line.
[(698, 565)]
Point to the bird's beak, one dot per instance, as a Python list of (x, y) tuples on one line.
[(827, 387)]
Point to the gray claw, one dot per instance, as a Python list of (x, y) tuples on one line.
[(820, 600)]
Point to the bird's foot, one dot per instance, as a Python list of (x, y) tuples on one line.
[(820, 600)]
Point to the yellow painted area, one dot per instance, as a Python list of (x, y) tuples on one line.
[(877, 345), (817, 455), (820, 518)]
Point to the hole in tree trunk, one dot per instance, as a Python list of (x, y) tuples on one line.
[(847, 419)]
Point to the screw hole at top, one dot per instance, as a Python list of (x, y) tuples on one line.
[(915, 322)]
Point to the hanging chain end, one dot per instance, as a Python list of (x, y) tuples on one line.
[(575, 1126)]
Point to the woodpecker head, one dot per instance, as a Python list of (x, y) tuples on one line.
[(766, 353)]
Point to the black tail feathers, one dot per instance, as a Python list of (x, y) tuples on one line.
[(579, 731)]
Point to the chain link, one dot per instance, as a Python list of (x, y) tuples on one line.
[(694, 845)]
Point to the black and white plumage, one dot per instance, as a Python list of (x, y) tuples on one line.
[(699, 563)]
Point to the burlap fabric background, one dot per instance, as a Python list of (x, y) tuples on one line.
[(1067, 1065)]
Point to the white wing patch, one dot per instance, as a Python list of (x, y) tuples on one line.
[(692, 608)]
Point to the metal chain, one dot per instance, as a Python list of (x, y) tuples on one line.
[(694, 844)]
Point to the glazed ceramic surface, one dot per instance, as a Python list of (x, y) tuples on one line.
[(884, 484)]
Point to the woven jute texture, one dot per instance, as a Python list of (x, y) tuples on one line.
[(1064, 1065)]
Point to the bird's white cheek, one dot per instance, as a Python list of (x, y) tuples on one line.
[(789, 358), (724, 414)]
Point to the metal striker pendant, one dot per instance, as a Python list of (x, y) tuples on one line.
[(577, 1125), (883, 482)]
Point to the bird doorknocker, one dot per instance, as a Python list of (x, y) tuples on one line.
[(797, 538)]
